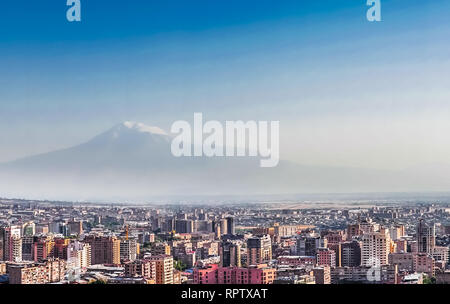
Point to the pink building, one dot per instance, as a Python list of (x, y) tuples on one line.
[(213, 274), (206, 275), (326, 256)]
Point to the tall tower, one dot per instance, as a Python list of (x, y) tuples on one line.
[(375, 249), (223, 226), (2, 243), (230, 226), (426, 237), (259, 250), (350, 254), (164, 269), (12, 243), (104, 250), (128, 249), (230, 254)]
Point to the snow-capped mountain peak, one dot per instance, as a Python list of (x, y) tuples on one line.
[(143, 128)]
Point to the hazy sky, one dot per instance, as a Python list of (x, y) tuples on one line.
[(347, 92)]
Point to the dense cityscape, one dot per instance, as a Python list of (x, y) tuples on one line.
[(251, 243)]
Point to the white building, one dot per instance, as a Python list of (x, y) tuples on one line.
[(78, 255), (375, 249)]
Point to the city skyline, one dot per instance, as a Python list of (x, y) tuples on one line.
[(390, 241)]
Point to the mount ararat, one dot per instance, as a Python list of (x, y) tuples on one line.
[(133, 162)]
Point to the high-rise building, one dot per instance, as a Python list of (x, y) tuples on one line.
[(60, 248), (426, 237), (307, 246), (12, 243), (396, 232), (326, 256), (230, 254), (2, 245), (15, 248), (223, 226), (56, 227), (375, 249), (334, 240), (27, 248), (128, 249), (104, 249), (141, 268), (184, 226), (259, 250), (164, 269), (350, 254), (75, 227), (79, 255), (40, 250), (202, 226), (215, 225), (230, 226), (157, 222)]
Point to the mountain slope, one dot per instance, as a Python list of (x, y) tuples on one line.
[(133, 162)]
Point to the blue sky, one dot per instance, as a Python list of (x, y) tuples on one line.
[(317, 66)]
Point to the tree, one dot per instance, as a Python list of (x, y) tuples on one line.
[(429, 280), (179, 265)]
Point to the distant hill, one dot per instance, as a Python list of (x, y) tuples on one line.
[(133, 162)]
